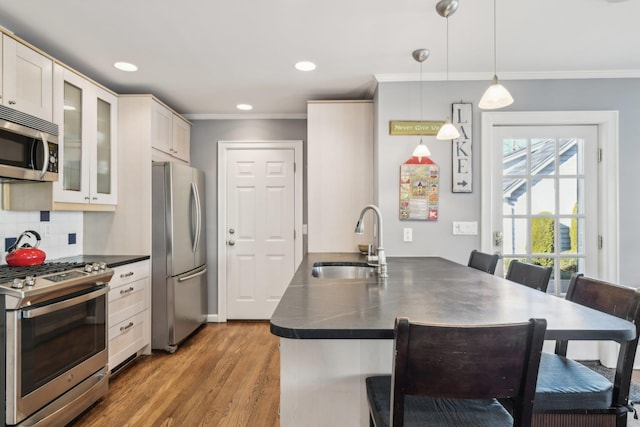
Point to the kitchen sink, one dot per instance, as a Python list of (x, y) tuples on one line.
[(342, 270)]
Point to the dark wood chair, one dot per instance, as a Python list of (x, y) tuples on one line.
[(452, 375), (483, 262), (570, 394), (531, 275)]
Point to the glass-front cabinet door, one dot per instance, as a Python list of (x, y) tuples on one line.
[(87, 117)]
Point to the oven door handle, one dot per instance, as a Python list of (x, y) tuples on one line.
[(30, 313)]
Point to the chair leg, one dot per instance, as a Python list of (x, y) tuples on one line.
[(371, 423)]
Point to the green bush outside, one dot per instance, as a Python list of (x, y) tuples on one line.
[(542, 238)]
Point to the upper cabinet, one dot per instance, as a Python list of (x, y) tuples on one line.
[(170, 134), (27, 80), (87, 115)]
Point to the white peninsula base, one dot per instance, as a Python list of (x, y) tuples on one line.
[(322, 380)]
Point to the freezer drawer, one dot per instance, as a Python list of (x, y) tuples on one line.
[(179, 308)]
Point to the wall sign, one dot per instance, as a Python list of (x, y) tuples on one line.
[(419, 185), (400, 127), (462, 180)]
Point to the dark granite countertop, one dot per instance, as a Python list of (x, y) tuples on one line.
[(428, 289), (111, 260)]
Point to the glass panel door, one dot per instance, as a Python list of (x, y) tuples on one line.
[(72, 145), (103, 149), (549, 198)]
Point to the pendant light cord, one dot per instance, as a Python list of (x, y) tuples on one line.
[(495, 60), (447, 50), (420, 91)]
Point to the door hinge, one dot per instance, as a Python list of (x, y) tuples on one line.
[(294, 234), (600, 242), (295, 167), (599, 155)]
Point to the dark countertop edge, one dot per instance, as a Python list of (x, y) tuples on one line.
[(112, 261), (330, 334)]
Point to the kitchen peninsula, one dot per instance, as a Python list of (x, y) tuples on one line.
[(335, 332)]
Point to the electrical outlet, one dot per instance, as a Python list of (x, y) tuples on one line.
[(407, 234)]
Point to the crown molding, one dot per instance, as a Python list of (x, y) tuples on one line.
[(525, 75), (245, 116)]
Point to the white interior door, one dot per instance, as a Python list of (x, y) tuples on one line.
[(260, 229)]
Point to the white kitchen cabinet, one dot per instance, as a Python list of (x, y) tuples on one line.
[(27, 79), (170, 133), (129, 312), (87, 115), (339, 145)]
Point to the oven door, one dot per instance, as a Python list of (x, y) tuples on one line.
[(53, 347)]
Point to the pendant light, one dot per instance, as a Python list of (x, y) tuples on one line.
[(496, 96), (445, 8), (421, 150)]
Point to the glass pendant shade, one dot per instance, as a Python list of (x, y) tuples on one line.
[(496, 96), (421, 151), (448, 131)]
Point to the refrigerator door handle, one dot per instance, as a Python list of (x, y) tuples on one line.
[(191, 276), (196, 198)]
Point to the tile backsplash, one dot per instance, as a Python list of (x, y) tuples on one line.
[(61, 232)]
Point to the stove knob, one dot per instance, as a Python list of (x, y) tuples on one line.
[(17, 283), (88, 268), (103, 266), (29, 281), (95, 266)]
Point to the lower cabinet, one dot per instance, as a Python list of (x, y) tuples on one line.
[(129, 313)]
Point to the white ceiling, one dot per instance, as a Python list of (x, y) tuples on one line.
[(202, 57)]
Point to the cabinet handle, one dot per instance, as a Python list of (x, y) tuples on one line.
[(126, 291), (129, 274), (12, 102), (124, 328)]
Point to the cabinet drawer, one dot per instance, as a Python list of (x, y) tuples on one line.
[(128, 299), (129, 273), (127, 338)]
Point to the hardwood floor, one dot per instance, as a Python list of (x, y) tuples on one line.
[(226, 374)]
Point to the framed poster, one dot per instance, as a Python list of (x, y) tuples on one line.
[(419, 190), (462, 154)]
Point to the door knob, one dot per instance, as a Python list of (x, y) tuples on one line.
[(232, 231), (231, 243)]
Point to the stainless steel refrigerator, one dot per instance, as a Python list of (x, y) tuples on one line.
[(178, 257)]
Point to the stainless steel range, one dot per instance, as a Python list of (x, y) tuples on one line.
[(55, 323)]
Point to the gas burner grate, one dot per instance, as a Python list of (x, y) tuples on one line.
[(8, 273)]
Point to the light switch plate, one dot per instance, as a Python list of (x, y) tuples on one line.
[(407, 234), (468, 228)]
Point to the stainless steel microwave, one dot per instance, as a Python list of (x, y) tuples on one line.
[(28, 147)]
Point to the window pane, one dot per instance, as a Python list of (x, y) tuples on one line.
[(514, 153), (568, 240), (543, 196), (542, 236), (514, 231), (543, 154), (569, 195), (568, 153), (514, 197)]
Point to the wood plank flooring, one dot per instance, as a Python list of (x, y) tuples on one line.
[(226, 375)]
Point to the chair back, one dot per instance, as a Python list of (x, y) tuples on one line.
[(531, 275), (619, 301), (467, 362), (483, 262)]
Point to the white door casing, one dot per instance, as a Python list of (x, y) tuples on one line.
[(259, 225)]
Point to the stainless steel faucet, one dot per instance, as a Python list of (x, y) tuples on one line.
[(381, 258)]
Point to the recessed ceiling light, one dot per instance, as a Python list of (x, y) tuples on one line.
[(305, 66), (244, 107), (125, 66)]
